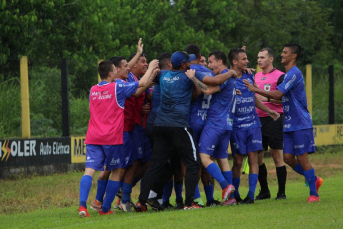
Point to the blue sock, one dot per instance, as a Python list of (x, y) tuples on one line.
[(126, 190), (85, 187), (252, 185), (111, 191), (235, 182), (299, 169), (167, 190), (214, 171), (228, 176), (178, 191), (311, 180), (209, 190), (197, 192), (100, 192)]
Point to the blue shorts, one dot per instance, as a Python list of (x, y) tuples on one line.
[(246, 141), (127, 152), (197, 129), (141, 145), (214, 142), (299, 142), (97, 156)]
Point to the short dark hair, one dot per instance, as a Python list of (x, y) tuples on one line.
[(163, 59), (134, 54), (219, 55), (104, 68), (269, 50), (295, 48), (193, 49), (116, 60), (233, 54)]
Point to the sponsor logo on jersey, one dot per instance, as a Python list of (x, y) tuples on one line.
[(263, 78), (286, 126)]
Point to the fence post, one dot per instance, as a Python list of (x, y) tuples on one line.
[(65, 99), (25, 98), (331, 95), (309, 87)]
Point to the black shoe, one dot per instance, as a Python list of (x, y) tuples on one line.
[(239, 200), (167, 205), (120, 194), (179, 204), (263, 195), (247, 200), (154, 204), (213, 203), (281, 196)]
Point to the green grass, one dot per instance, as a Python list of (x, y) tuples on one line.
[(52, 202)]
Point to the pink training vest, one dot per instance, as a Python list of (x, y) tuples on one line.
[(268, 82), (106, 123)]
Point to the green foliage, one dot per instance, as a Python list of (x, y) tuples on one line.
[(79, 116)]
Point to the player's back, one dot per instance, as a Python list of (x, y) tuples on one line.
[(221, 111), (176, 94), (200, 106)]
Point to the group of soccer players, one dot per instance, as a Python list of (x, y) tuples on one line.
[(165, 122)]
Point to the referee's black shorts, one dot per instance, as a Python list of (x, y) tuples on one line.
[(272, 132)]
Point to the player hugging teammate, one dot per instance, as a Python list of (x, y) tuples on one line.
[(195, 112)]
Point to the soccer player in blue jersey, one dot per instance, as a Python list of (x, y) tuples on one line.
[(298, 136), (197, 120), (246, 137), (215, 136)]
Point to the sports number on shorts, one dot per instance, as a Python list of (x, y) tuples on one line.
[(206, 101)]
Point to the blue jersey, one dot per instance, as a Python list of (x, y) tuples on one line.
[(155, 101), (199, 107), (176, 95), (222, 108), (246, 117), (294, 102)]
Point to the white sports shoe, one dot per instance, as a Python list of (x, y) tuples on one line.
[(125, 207)]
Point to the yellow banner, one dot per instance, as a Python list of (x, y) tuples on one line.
[(328, 134), (78, 150)]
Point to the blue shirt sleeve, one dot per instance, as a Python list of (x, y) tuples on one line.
[(201, 75), (125, 90), (288, 83)]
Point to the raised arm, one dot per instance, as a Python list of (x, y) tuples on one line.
[(219, 79), (134, 60), (208, 90)]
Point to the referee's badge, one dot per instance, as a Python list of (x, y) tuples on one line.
[(267, 87)]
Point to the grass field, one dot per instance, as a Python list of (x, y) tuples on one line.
[(52, 202)]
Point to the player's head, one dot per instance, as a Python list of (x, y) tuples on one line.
[(141, 66), (121, 66), (291, 52), (265, 58), (238, 59), (164, 61), (203, 61), (107, 71), (194, 49), (181, 60), (217, 61)]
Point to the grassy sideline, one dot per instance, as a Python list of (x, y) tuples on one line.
[(51, 202)]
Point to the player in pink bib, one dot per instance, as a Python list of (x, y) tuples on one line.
[(104, 137)]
